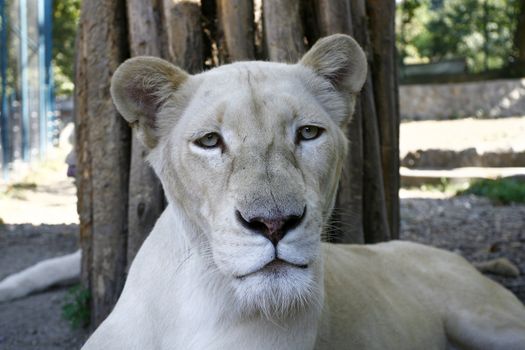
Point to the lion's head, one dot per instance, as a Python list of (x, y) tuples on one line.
[(251, 153)]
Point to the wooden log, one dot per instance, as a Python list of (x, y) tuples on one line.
[(375, 220), (144, 27), (236, 26), (83, 167), (283, 30), (260, 48), (182, 23), (333, 16), (146, 198), (105, 37), (381, 16)]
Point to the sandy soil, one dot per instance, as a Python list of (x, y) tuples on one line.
[(483, 134), (43, 194)]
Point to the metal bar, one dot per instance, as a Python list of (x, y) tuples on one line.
[(42, 72), (26, 154), (50, 98), (4, 117), (30, 43)]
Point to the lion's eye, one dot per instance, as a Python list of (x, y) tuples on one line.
[(210, 140), (308, 132)]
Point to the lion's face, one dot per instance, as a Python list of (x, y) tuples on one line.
[(251, 153)]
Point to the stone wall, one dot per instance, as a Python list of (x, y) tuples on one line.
[(495, 98)]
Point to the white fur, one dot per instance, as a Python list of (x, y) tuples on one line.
[(61, 270)]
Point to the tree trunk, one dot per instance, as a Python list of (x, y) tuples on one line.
[(183, 25), (104, 154), (115, 186), (236, 23), (283, 30), (383, 35)]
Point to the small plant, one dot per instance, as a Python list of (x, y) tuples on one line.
[(502, 191), (442, 186), (76, 309), (22, 186)]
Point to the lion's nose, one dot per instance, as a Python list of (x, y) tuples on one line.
[(272, 227)]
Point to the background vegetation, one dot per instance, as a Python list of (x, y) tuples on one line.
[(66, 14), (489, 34)]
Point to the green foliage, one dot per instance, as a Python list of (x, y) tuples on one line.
[(22, 186), (66, 14), (17, 190), (502, 191), (481, 31), (442, 186), (76, 308)]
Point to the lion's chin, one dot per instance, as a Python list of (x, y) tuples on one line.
[(277, 290)]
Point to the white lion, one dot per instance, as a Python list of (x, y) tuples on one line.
[(250, 155)]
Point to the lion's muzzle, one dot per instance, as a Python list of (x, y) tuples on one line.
[(273, 226)]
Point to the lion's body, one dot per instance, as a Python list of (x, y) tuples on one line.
[(401, 295), (250, 155), (395, 295)]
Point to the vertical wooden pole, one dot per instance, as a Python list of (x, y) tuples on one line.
[(283, 30), (382, 26), (182, 21), (146, 198), (108, 147), (82, 150), (375, 219), (236, 23), (334, 16)]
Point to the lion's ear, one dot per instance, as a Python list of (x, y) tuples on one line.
[(139, 87), (339, 59)]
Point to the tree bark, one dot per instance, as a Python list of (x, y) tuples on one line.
[(334, 16), (236, 27), (182, 21), (383, 35), (104, 46), (283, 30), (83, 175), (146, 198)]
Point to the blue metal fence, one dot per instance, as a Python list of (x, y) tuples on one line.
[(4, 121), (27, 93)]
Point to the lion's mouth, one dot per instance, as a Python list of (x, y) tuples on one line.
[(274, 266)]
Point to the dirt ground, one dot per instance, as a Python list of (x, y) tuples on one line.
[(35, 322), (482, 134), (40, 222)]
